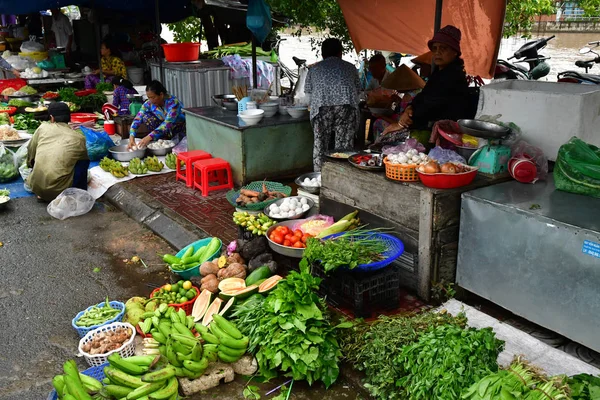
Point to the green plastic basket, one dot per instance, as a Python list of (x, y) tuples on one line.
[(257, 186)]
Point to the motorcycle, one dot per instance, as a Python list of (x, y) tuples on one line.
[(528, 53), (583, 78)]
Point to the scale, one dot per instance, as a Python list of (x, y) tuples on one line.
[(492, 158)]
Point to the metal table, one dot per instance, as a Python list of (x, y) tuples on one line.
[(535, 251)]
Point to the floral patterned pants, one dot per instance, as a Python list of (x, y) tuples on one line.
[(335, 128)]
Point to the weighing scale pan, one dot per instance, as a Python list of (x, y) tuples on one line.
[(483, 129)]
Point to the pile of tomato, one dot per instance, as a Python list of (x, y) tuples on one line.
[(286, 237)]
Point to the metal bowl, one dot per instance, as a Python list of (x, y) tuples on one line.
[(120, 153), (310, 203), (32, 98), (160, 152), (309, 189), (230, 105), (284, 250), (483, 129), (218, 98)]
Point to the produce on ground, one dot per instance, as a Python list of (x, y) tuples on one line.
[(230, 344), (161, 144), (248, 196), (20, 103), (367, 160), (375, 347), (289, 331), (432, 167), (117, 169), (26, 122), (153, 164), (349, 250), (8, 132), (286, 237), (446, 360), (289, 208), (8, 169), (137, 167), (584, 387), (97, 315), (104, 342), (72, 106), (191, 258), (171, 161), (176, 293), (36, 109), (67, 94), (256, 224), (74, 385)]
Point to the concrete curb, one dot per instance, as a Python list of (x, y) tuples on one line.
[(142, 208)]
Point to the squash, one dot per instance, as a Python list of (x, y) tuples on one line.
[(269, 284), (201, 305), (212, 309), (232, 284)]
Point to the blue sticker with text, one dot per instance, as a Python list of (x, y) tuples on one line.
[(591, 248)]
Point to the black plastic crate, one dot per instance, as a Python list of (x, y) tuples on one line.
[(362, 292)]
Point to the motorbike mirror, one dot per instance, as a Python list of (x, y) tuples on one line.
[(584, 50)]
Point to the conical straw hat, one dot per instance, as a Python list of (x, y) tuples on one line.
[(425, 58), (403, 79)]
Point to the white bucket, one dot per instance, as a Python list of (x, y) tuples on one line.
[(136, 75)]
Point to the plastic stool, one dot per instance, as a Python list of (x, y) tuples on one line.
[(203, 177), (189, 157)]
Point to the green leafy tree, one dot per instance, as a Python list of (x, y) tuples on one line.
[(186, 30), (591, 8), (520, 15)]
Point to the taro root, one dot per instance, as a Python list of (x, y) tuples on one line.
[(235, 270), (209, 268), (210, 283), (235, 258)]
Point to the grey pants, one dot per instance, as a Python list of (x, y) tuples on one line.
[(333, 123)]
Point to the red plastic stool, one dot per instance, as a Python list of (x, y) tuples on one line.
[(212, 170), (189, 157)]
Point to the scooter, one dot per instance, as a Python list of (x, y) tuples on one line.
[(577, 77), (528, 53)]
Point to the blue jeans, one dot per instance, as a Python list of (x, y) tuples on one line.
[(80, 175)]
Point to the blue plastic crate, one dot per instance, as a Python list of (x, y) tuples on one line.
[(82, 331), (395, 250), (95, 372)]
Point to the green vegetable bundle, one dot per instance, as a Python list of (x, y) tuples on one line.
[(97, 315), (93, 101), (585, 387), (104, 87), (137, 167), (242, 50), (289, 332), (26, 122), (446, 360), (28, 90), (20, 103), (67, 94)]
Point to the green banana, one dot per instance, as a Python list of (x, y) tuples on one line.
[(183, 357), (197, 352), (181, 348), (226, 358), (75, 389), (191, 374), (181, 328), (188, 341), (211, 355), (59, 385), (130, 368), (196, 366), (218, 332), (145, 390), (106, 381), (90, 384), (172, 357), (141, 360), (164, 329), (159, 337), (121, 378), (160, 375), (201, 329), (68, 396), (162, 349), (227, 326), (179, 371), (210, 338), (166, 392), (118, 391), (235, 344), (70, 369), (238, 353)]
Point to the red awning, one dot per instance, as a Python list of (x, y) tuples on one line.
[(406, 26)]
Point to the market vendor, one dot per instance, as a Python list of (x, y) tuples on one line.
[(58, 156), (333, 85), (378, 70), (111, 64), (4, 65), (63, 31), (446, 94), (120, 104), (162, 114)]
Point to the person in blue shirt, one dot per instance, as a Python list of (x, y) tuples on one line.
[(4, 65)]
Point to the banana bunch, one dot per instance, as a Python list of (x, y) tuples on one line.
[(152, 164), (137, 167), (346, 223), (75, 385), (257, 224), (130, 378), (223, 340), (171, 161), (119, 171), (107, 164)]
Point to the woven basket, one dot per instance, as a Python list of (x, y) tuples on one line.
[(402, 173), (127, 350), (82, 331), (257, 186)]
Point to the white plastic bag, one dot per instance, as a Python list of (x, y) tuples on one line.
[(300, 97), (9, 167), (72, 202), (32, 47)]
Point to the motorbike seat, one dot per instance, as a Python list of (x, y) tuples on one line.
[(584, 63), (298, 61), (583, 77)]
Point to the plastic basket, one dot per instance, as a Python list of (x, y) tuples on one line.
[(399, 172), (187, 306), (395, 248), (448, 181), (127, 350), (181, 52), (82, 331), (257, 186), (195, 271), (95, 372)]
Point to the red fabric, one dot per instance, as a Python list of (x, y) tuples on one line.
[(406, 26)]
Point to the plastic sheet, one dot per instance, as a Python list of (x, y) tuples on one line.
[(314, 225), (72, 202), (443, 156)]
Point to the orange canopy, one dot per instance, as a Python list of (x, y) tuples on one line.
[(407, 25)]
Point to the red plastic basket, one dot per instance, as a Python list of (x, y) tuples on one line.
[(85, 92), (83, 117), (187, 306), (181, 52), (10, 110), (12, 83), (447, 181)]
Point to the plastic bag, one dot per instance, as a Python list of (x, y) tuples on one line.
[(72, 202), (32, 47), (301, 98), (258, 19), (25, 171), (97, 143), (524, 150), (9, 167), (181, 146), (443, 156), (314, 225), (577, 168), (410, 144), (446, 130)]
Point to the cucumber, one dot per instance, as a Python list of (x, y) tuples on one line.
[(258, 274)]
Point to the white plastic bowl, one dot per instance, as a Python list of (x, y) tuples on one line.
[(297, 112), (252, 117), (270, 108), (283, 110)]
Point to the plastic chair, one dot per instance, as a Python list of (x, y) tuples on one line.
[(212, 170), (189, 157)]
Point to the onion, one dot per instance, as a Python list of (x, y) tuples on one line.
[(448, 168), (431, 167)]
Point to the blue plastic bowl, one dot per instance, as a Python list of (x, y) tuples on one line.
[(95, 372), (395, 250), (82, 331), (195, 271)]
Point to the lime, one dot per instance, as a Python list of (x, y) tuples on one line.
[(182, 292), (180, 282), (190, 294), (183, 300), (187, 285)]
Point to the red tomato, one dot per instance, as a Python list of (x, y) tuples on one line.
[(287, 243), (305, 238), (277, 238), (299, 245), (298, 233), (288, 237), (283, 229), (295, 239)]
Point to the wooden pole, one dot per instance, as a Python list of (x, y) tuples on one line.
[(254, 68)]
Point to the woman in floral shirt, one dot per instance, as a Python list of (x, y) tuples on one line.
[(111, 64), (161, 113)]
